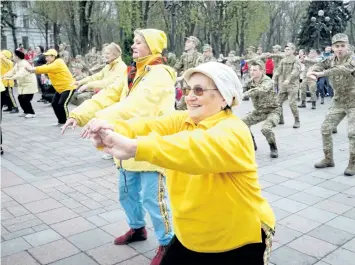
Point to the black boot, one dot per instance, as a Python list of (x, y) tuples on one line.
[(14, 110), (313, 105), (255, 146), (303, 104), (335, 130), (273, 151), (322, 101)]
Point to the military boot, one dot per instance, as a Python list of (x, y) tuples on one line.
[(313, 105), (303, 104), (322, 101), (255, 146), (297, 123), (327, 161), (281, 119), (335, 130), (350, 170), (273, 151)]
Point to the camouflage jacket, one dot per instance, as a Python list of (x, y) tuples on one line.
[(208, 59), (307, 64), (65, 56), (263, 96), (92, 59), (187, 61), (289, 69), (341, 77), (235, 61), (79, 77), (250, 56)]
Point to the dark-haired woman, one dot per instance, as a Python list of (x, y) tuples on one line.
[(39, 60), (62, 81)]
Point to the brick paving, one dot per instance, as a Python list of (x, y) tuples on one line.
[(59, 198)]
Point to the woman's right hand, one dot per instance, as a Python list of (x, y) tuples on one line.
[(70, 122)]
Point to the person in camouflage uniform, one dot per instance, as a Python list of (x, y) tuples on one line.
[(340, 69), (79, 97), (99, 65), (260, 89), (191, 58), (208, 54), (79, 60), (235, 61), (91, 58), (307, 82), (287, 79), (171, 59), (251, 55), (64, 54)]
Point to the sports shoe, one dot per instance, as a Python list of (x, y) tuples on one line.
[(22, 115), (29, 116), (106, 157), (133, 235)]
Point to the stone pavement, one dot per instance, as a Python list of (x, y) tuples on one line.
[(59, 198)]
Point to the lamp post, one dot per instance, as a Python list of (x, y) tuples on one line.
[(320, 25)]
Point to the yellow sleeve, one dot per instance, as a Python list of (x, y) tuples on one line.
[(152, 91), (105, 98), (6, 62), (91, 78), (48, 68), (220, 149), (164, 125)]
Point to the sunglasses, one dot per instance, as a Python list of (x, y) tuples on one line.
[(198, 91)]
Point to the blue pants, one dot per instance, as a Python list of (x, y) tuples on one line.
[(146, 189), (323, 86)]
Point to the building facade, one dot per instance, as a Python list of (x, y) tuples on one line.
[(27, 32)]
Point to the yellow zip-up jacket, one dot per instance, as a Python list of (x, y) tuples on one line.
[(152, 94), (212, 177), (6, 66), (59, 74), (106, 76)]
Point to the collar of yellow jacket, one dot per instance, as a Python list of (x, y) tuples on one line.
[(141, 63), (212, 120), (114, 62)]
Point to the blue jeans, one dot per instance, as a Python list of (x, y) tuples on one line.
[(146, 189), (323, 87)]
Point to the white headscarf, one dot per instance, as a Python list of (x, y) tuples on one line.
[(226, 80)]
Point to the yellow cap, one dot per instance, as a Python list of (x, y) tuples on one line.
[(51, 52), (7, 53), (156, 40)]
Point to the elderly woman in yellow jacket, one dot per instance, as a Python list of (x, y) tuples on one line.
[(219, 215), (150, 92), (26, 83), (114, 69), (7, 96), (62, 81)]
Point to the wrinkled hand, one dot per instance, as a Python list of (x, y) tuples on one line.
[(93, 126), (83, 89), (70, 122)]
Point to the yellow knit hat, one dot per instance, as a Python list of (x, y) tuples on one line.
[(156, 40), (7, 53)]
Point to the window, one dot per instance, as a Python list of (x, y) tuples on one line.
[(3, 42), (26, 22), (25, 42)]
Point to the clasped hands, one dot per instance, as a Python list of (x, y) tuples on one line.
[(103, 137)]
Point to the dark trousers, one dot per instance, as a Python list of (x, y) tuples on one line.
[(269, 75), (9, 98), (25, 103), (60, 103), (40, 85), (251, 254)]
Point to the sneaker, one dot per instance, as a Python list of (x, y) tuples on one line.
[(22, 115), (1, 151), (107, 157), (159, 256), (57, 124), (7, 110), (14, 110), (133, 235), (28, 116), (41, 100)]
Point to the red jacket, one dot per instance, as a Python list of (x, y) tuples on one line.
[(269, 66)]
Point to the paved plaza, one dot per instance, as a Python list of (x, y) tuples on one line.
[(59, 202)]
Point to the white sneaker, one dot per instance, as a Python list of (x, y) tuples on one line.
[(28, 116), (107, 157), (56, 124), (22, 115)]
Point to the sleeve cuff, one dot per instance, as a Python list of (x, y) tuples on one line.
[(327, 72), (145, 149)]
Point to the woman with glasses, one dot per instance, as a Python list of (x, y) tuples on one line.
[(219, 215)]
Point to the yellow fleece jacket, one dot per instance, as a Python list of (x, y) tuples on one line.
[(59, 74), (6, 66), (212, 177), (107, 76), (152, 94)]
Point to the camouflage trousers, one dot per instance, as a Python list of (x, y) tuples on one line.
[(335, 115), (271, 119), (245, 79), (291, 95), (312, 85), (79, 98)]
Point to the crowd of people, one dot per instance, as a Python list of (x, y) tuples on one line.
[(212, 211)]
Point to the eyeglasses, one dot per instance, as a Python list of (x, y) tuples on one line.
[(198, 91)]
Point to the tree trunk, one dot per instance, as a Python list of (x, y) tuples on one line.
[(242, 27), (146, 13), (85, 9), (56, 31), (173, 27), (46, 29)]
